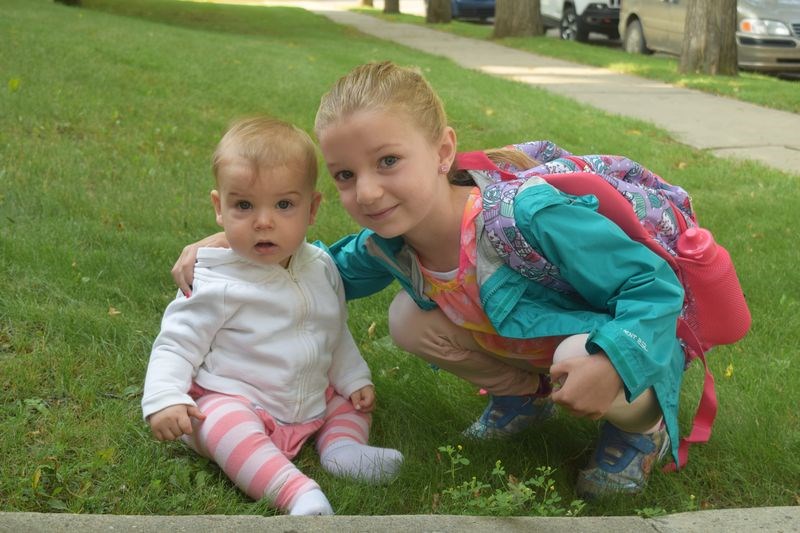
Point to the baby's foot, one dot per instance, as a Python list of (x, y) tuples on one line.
[(312, 502), (351, 459)]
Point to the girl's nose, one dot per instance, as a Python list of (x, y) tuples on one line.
[(368, 189)]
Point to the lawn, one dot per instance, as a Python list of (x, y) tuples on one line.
[(109, 116)]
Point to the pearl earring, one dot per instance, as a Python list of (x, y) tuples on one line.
[(443, 169)]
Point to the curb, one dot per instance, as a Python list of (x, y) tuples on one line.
[(763, 519)]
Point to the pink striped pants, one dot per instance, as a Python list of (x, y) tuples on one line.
[(255, 452)]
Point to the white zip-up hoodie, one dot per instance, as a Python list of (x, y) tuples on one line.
[(276, 336)]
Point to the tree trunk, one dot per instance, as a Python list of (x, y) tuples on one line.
[(367, 3), (438, 11), (391, 6), (517, 18), (709, 38)]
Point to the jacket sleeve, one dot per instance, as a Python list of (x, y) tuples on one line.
[(187, 330), (348, 371), (361, 272), (614, 274)]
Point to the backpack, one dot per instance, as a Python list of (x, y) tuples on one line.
[(650, 211)]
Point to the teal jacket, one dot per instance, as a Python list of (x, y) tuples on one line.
[(629, 298)]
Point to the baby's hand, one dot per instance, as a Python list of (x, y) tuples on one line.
[(173, 421), (364, 399)]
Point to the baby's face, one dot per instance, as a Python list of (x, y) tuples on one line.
[(265, 212)]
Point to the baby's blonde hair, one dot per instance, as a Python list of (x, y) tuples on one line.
[(384, 86), (266, 142)]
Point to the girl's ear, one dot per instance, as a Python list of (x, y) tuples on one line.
[(447, 147), (217, 206)]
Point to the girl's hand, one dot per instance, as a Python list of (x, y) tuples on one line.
[(589, 385), (173, 421), (364, 399), (183, 270)]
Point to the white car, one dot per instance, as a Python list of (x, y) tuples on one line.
[(576, 18), (767, 32)]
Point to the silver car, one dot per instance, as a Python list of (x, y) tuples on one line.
[(767, 32)]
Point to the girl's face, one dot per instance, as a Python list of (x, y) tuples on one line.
[(386, 170)]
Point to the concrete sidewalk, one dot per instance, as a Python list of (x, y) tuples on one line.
[(763, 520), (726, 127)]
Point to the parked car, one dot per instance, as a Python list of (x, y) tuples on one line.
[(767, 32), (576, 18), (573, 18), (472, 9)]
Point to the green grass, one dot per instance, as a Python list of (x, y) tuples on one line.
[(109, 116), (750, 87)]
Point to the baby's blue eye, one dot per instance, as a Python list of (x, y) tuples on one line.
[(284, 204), (243, 204)]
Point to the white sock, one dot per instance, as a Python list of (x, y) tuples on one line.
[(312, 502), (348, 458)]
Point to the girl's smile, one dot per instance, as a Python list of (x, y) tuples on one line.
[(381, 215)]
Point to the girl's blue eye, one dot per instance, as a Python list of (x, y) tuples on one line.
[(389, 161), (243, 204), (343, 175), (284, 204)]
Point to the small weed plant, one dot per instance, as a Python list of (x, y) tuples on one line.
[(504, 494)]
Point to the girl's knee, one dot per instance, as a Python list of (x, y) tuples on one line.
[(573, 346), (399, 316), (406, 322)]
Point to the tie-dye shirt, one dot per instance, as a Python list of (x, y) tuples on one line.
[(458, 296)]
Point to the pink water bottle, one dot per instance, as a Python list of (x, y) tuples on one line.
[(697, 244), (719, 311)]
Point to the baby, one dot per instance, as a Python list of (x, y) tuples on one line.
[(258, 357)]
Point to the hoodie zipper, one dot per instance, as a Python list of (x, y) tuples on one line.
[(302, 334)]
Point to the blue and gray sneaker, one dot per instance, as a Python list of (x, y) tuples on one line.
[(622, 462), (508, 415)]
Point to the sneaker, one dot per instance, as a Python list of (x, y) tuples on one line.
[(508, 415), (622, 462)]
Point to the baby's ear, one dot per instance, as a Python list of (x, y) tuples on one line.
[(215, 199), (316, 199)]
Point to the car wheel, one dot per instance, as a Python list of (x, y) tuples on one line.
[(634, 42), (570, 27)]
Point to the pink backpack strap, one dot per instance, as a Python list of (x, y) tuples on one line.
[(706, 408), (480, 161)]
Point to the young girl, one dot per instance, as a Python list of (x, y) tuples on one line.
[(259, 358), (611, 354)]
